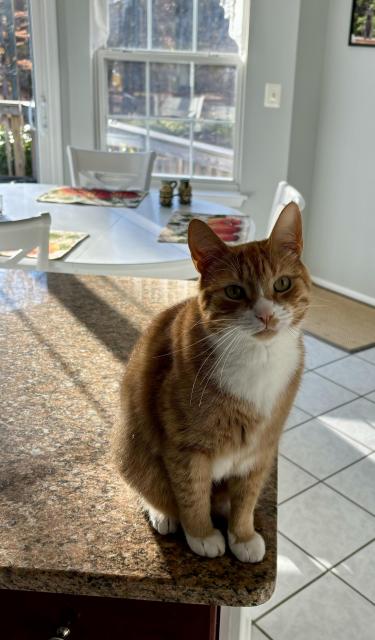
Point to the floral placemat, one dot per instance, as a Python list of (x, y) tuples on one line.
[(60, 243), (102, 197), (231, 229)]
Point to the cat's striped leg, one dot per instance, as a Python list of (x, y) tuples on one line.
[(244, 542), (191, 481)]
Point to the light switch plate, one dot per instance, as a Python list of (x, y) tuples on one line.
[(272, 96)]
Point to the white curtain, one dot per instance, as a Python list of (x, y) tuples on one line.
[(233, 11), (99, 24)]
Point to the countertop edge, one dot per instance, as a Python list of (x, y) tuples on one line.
[(75, 583)]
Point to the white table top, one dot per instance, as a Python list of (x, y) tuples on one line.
[(121, 240)]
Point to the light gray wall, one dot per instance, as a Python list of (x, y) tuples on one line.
[(307, 95), (73, 21), (340, 245), (272, 58)]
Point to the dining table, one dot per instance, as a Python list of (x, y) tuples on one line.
[(121, 241)]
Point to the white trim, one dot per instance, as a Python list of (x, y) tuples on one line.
[(224, 59), (349, 293), (47, 90), (235, 623)]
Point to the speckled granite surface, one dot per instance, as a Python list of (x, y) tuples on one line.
[(67, 522)]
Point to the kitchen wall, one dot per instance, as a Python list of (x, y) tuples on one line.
[(272, 58), (307, 96), (340, 238)]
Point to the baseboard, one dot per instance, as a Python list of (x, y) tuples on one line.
[(235, 623), (348, 293)]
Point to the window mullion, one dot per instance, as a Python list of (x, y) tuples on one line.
[(149, 25), (195, 26), (148, 111)]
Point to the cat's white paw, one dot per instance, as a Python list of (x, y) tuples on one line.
[(210, 547), (162, 523), (252, 550)]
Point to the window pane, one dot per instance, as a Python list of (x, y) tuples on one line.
[(170, 90), (126, 88), (128, 24), (213, 149), (126, 135), (214, 26), (216, 86), (171, 141), (172, 24)]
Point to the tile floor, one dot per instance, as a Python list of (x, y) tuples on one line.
[(326, 553)]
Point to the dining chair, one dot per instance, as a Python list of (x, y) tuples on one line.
[(110, 169), (284, 194), (23, 236)]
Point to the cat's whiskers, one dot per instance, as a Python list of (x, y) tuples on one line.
[(226, 359), (191, 344), (215, 366), (221, 340)]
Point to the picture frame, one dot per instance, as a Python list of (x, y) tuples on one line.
[(362, 24)]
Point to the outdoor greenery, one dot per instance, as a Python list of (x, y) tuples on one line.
[(364, 19), (27, 146)]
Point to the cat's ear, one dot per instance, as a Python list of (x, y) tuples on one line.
[(286, 236), (204, 245)]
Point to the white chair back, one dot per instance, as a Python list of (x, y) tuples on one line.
[(23, 236), (110, 170), (284, 194)]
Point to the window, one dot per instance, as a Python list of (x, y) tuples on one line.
[(16, 91), (170, 80)]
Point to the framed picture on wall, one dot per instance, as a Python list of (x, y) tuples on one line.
[(362, 24)]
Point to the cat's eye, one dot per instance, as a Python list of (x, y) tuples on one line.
[(234, 292), (282, 284)]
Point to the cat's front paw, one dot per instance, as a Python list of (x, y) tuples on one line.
[(252, 550), (161, 522), (210, 547)]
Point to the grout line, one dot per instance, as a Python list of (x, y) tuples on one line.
[(331, 428), (332, 408), (350, 500), (354, 588), (325, 571), (321, 575), (310, 555), (298, 493), (341, 385), (358, 354), (262, 631), (347, 355), (300, 467), (291, 595), (350, 555), (328, 486), (331, 475), (299, 424)]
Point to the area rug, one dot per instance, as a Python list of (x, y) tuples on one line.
[(341, 321)]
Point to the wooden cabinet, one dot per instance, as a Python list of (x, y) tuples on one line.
[(27, 615)]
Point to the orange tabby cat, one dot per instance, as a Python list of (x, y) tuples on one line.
[(210, 384)]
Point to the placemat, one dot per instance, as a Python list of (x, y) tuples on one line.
[(231, 229), (344, 322), (60, 243), (98, 197)]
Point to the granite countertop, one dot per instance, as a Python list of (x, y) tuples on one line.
[(68, 524)]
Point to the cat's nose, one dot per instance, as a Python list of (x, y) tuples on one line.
[(265, 316)]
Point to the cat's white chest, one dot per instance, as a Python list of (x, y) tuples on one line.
[(259, 372)]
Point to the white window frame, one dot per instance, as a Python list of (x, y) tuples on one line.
[(46, 79), (104, 55)]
